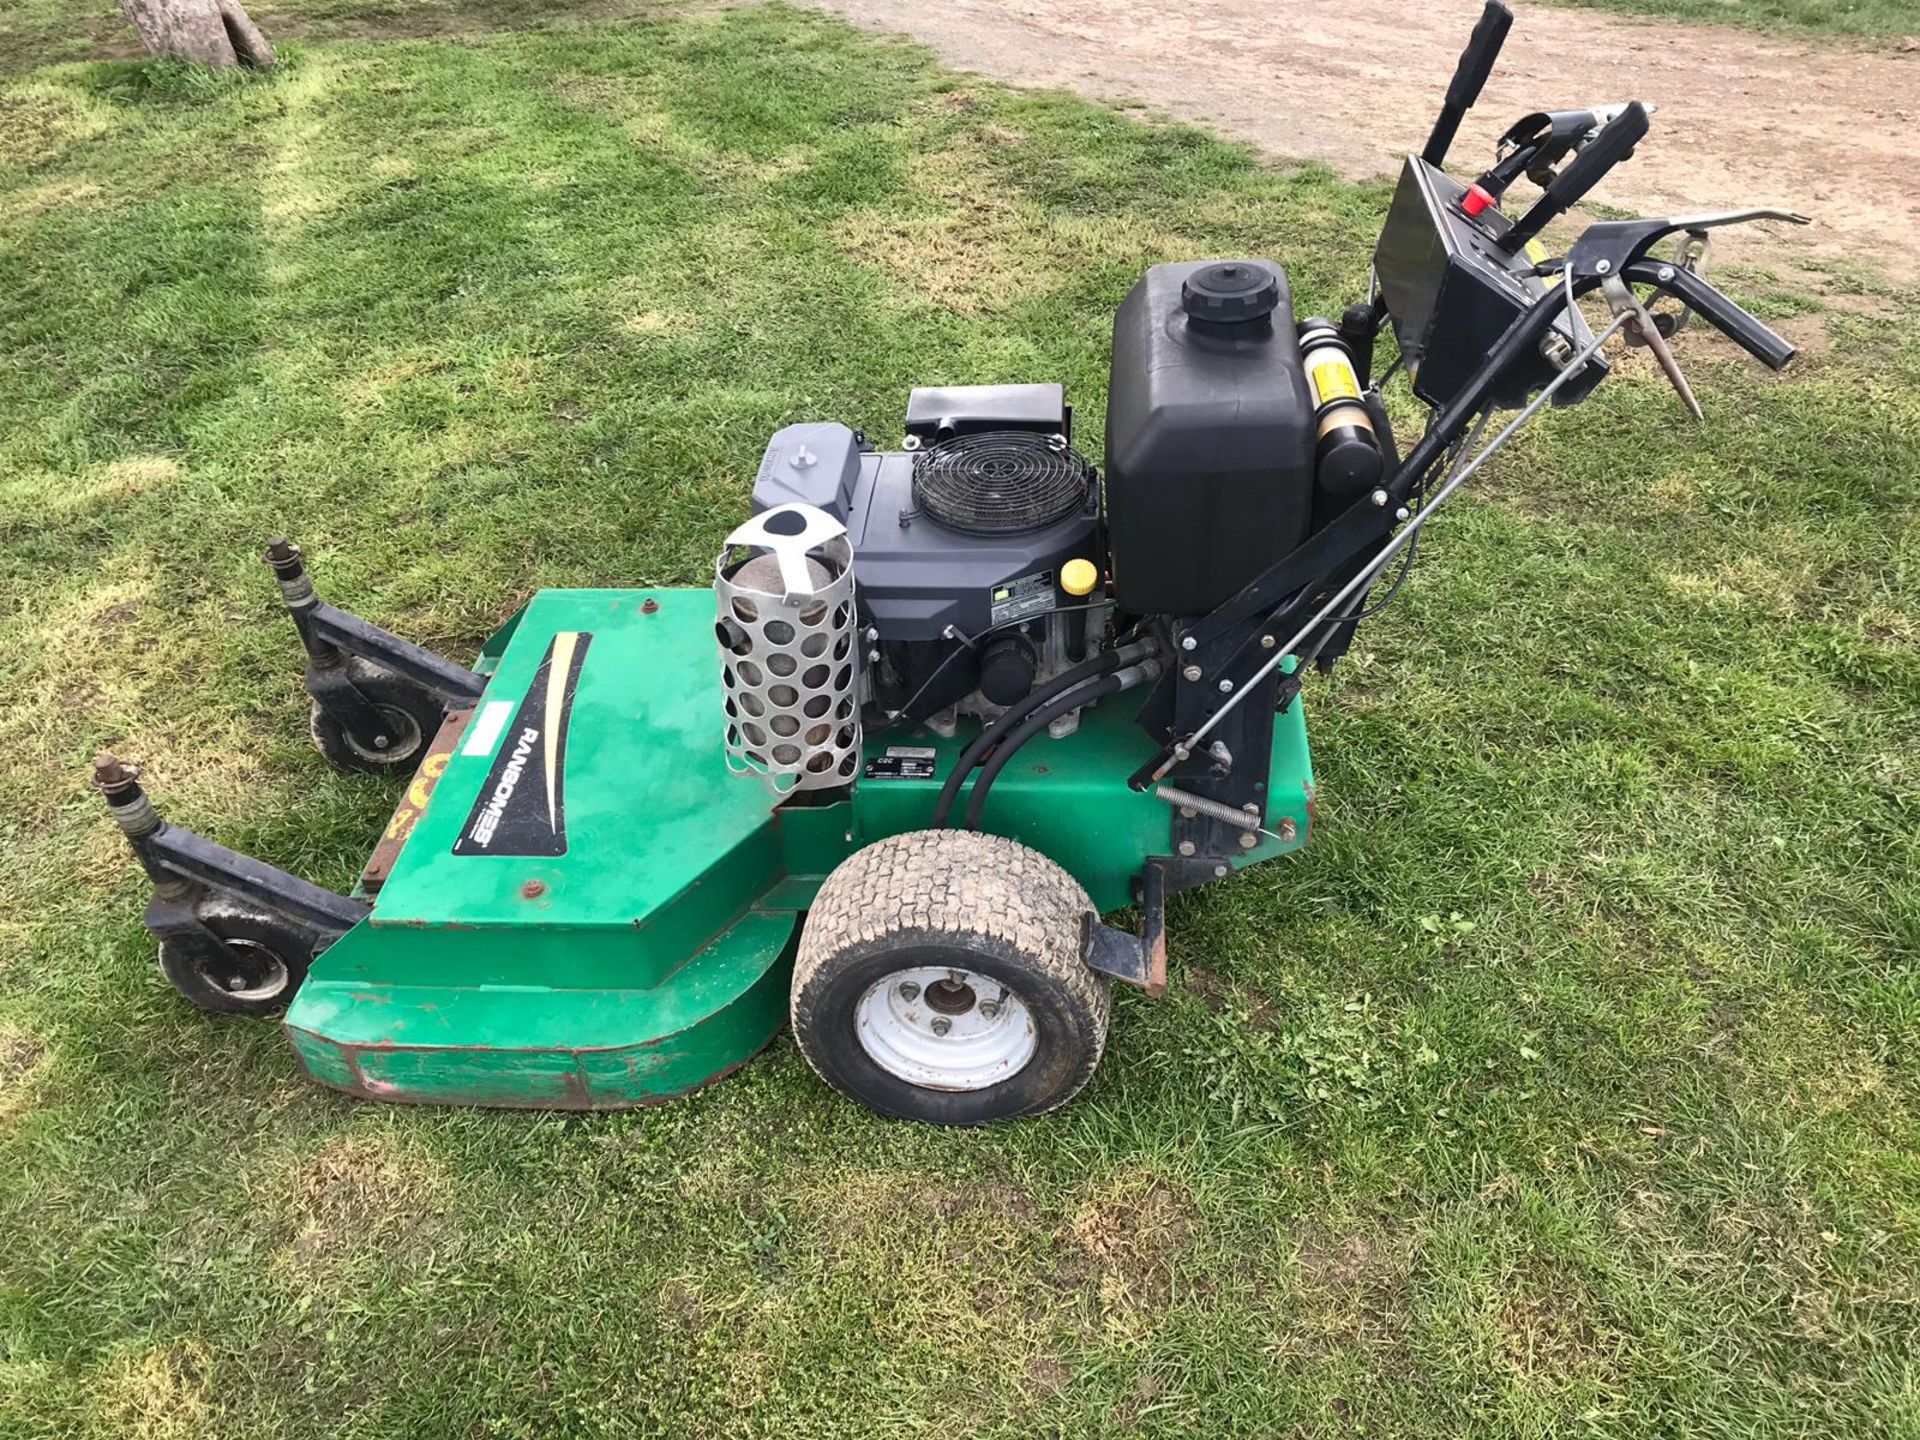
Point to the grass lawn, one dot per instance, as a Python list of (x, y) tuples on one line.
[(1565, 1086), (1866, 18)]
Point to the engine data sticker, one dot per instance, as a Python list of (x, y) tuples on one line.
[(1017, 599), (903, 762), (522, 809), (1334, 380)]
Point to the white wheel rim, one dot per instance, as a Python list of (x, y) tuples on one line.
[(405, 736), (273, 972), (943, 1027)]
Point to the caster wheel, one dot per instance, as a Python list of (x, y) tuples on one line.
[(939, 978), (412, 717), (249, 965)]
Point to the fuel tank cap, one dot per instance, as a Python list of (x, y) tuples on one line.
[(1230, 292)]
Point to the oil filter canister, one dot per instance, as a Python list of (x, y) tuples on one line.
[(1347, 456), (783, 588)]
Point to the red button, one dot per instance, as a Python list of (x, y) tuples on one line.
[(1477, 198)]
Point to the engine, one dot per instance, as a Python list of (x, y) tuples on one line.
[(964, 546), (985, 564)]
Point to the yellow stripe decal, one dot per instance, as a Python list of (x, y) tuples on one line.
[(562, 666)]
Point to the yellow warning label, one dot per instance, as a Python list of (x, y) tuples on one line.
[(1536, 252), (1334, 380)]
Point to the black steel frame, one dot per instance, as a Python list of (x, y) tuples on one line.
[(188, 871), (332, 638)]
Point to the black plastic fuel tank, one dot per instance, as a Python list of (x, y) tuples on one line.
[(1210, 435)]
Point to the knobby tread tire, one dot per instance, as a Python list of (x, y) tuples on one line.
[(1010, 909)]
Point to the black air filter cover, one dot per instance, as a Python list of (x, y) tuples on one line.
[(1000, 482)]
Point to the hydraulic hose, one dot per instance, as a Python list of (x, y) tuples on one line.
[(1038, 720), (1101, 664)]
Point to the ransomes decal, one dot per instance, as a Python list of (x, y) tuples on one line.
[(522, 809)]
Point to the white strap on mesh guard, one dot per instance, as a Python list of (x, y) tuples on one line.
[(788, 532)]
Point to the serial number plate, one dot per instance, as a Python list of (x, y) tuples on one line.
[(902, 762)]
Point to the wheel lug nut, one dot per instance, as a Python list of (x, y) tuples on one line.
[(989, 1009), (909, 990), (941, 1025)]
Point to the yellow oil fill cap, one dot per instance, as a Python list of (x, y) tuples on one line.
[(1078, 577)]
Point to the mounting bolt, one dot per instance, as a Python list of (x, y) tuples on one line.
[(1267, 642), (1219, 872), (909, 990), (381, 742), (1186, 847), (1192, 672), (533, 889), (1188, 643), (1226, 687), (1379, 498), (649, 606), (1664, 273), (941, 1025), (1603, 267), (1288, 829), (1249, 840), (1187, 812), (873, 657), (873, 633), (1402, 513)]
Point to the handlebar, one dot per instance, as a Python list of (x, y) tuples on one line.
[(1613, 144), (1469, 78), (1718, 309)]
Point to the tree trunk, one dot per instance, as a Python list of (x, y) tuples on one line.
[(211, 32)]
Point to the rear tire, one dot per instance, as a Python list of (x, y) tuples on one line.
[(940, 978)]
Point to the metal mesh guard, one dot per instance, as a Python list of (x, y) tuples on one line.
[(1000, 482), (786, 629)]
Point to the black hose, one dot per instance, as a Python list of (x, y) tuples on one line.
[(1034, 723), (1105, 661)]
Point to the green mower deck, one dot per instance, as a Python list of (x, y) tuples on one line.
[(650, 951)]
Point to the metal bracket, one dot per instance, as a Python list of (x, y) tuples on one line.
[(1607, 247), (1137, 959), (433, 673), (185, 867), (331, 637)]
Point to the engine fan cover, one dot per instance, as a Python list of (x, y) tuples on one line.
[(1000, 482)]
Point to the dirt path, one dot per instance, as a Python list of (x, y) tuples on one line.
[(1744, 119)]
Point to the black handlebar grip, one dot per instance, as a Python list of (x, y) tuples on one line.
[(1766, 345), (1469, 77), (1613, 144)]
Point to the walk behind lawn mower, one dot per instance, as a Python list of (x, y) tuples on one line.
[(966, 697)]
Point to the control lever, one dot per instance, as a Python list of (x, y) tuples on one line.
[(1609, 245), (1613, 144), (1469, 78), (1535, 144), (1746, 330), (1622, 247), (1641, 329)]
